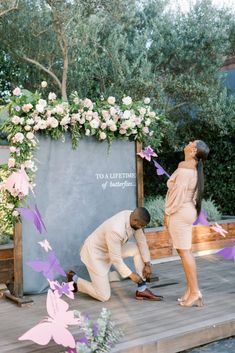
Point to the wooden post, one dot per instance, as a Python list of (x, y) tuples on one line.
[(139, 176), (18, 261)]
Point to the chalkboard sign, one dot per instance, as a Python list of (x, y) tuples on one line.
[(76, 190)]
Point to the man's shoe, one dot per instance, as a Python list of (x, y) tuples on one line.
[(147, 295), (70, 275)]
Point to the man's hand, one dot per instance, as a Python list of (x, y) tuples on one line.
[(135, 277), (147, 271)]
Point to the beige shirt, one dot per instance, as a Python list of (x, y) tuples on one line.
[(181, 189), (103, 247)]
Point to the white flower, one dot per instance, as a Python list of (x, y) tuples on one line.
[(111, 100), (10, 206), (52, 96), (21, 121), (145, 130), (94, 123), (11, 162), (15, 213), (103, 135), (88, 115), (27, 128), (151, 114), (127, 100), (82, 120), (142, 111), (44, 84), (65, 120), (113, 111), (12, 149), (103, 126), (76, 100), (151, 133), (30, 135), (29, 121), (147, 122), (59, 109), (40, 108), (29, 164), (42, 124), (17, 91), (15, 120), (19, 137), (105, 114), (52, 122), (113, 127), (126, 114), (122, 131), (146, 100), (88, 132), (87, 103)]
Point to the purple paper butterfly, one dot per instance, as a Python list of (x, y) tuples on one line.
[(202, 219), (160, 170), (34, 216), (147, 153), (63, 288), (47, 267), (227, 253)]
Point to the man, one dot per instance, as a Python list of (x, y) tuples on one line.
[(107, 246)]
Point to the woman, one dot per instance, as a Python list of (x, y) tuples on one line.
[(183, 204)]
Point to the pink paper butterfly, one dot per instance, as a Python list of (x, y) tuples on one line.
[(18, 183), (217, 228), (55, 325), (63, 288), (45, 245), (147, 153)]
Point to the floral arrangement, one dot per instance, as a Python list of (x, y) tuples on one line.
[(97, 337), (30, 114)]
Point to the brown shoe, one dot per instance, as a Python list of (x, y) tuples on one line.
[(147, 295), (70, 275)]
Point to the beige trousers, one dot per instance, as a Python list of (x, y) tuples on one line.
[(99, 287)]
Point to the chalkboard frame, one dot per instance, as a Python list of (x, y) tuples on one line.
[(18, 249)]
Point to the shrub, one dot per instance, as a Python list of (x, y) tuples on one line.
[(211, 209)]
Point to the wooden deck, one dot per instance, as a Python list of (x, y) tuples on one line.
[(149, 327)]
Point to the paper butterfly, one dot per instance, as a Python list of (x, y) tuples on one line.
[(55, 325), (160, 170), (47, 267), (18, 183), (147, 153), (202, 219), (227, 253), (217, 228), (64, 288), (34, 216), (45, 245)]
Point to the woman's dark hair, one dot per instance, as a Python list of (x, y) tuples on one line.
[(201, 155)]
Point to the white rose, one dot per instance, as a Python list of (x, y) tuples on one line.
[(29, 121), (127, 100), (15, 120), (113, 127), (105, 114), (12, 149), (103, 126), (27, 128), (30, 135), (17, 91), (29, 164), (152, 114), (147, 122), (10, 206), (88, 132), (113, 111), (142, 111), (39, 108), (103, 135), (145, 130), (15, 213), (87, 103), (65, 120), (94, 123), (26, 107), (146, 100), (19, 137), (126, 114), (111, 100), (43, 84), (122, 131), (52, 96), (11, 162), (52, 122)]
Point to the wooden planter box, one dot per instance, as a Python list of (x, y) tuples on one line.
[(6, 263), (204, 238)]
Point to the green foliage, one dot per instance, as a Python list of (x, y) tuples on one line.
[(155, 206), (211, 210)]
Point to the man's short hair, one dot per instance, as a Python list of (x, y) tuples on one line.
[(142, 214)]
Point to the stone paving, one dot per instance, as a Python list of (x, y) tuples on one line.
[(222, 346)]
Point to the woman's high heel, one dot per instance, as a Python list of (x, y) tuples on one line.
[(197, 302), (182, 300)]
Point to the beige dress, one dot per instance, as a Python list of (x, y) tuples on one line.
[(180, 206)]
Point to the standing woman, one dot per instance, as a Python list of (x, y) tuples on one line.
[(183, 204)]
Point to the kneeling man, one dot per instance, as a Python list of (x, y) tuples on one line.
[(107, 246)]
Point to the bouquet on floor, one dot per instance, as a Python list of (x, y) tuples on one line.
[(99, 336)]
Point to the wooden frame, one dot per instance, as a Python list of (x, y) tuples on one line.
[(18, 249)]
